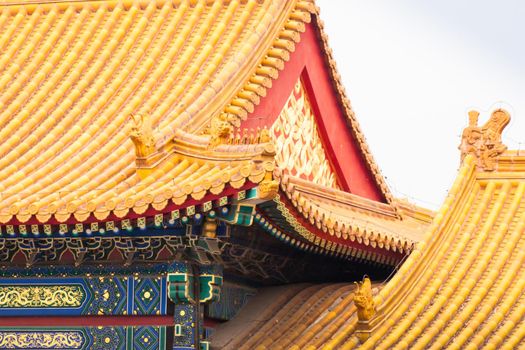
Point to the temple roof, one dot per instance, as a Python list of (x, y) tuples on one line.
[(125, 109), (72, 73), (287, 318)]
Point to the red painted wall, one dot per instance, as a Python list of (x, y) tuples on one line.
[(343, 152)]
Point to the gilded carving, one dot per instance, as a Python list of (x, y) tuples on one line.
[(220, 130), (264, 136), (363, 300), (142, 136), (298, 144), (484, 142), (41, 340), (41, 296), (268, 187)]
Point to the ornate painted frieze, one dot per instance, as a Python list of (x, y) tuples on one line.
[(41, 296), (86, 338), (298, 144), (133, 250), (15, 339), (93, 295)]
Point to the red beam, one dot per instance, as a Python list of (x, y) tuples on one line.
[(85, 321)]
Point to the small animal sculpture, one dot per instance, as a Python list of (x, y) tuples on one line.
[(363, 300), (142, 136)]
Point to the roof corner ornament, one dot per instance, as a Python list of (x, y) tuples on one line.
[(364, 301), (268, 187), (220, 130), (142, 136), (484, 142)]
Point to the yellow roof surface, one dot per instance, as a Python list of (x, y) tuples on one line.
[(309, 316), (463, 287), (72, 73)]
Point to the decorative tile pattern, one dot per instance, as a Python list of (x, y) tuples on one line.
[(184, 318), (149, 296), (104, 338), (146, 338), (109, 296), (298, 144)]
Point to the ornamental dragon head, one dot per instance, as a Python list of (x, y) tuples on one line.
[(363, 300), (484, 142)]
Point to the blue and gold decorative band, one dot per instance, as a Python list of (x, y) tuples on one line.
[(63, 339), (86, 338), (41, 296)]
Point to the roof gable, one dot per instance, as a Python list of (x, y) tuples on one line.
[(299, 149), (339, 131)]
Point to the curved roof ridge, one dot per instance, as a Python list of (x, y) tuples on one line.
[(353, 218), (354, 123)]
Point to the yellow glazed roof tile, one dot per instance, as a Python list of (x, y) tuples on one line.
[(72, 73), (309, 320), (464, 284), (302, 319)]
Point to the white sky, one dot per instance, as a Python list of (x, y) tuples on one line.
[(412, 70)]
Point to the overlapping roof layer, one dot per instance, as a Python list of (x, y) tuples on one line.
[(355, 219), (72, 73), (113, 109)]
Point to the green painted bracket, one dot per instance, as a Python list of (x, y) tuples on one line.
[(180, 287), (240, 214), (210, 288)]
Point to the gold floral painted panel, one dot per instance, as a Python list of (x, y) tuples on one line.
[(41, 296), (41, 339), (300, 152)]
